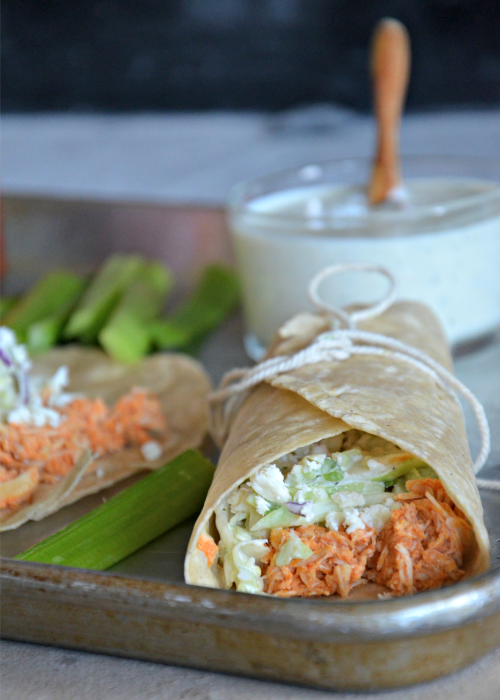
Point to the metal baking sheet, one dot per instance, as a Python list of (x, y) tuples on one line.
[(141, 608)]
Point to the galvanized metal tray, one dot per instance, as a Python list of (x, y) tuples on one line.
[(142, 608)]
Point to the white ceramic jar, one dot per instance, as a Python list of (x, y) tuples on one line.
[(443, 246)]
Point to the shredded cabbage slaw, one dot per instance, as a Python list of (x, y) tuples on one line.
[(349, 482)]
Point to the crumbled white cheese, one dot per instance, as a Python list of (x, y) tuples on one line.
[(334, 519), (308, 511), (352, 520), (37, 416), (269, 484), (299, 496), (348, 499), (354, 517), (151, 450), (314, 462), (261, 505), (376, 516)]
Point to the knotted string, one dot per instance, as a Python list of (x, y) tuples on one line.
[(489, 484), (337, 345)]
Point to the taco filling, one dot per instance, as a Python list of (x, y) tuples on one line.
[(335, 515), (44, 430)]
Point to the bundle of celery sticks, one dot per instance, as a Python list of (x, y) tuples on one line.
[(120, 309)]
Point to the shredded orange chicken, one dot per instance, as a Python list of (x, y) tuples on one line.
[(336, 565), (207, 545), (50, 453), (420, 548)]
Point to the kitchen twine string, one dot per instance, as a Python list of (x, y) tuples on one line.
[(339, 344)]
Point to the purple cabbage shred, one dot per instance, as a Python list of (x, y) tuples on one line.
[(296, 508)]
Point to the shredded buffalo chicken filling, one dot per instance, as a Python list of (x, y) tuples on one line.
[(337, 564), (30, 455), (420, 548), (208, 547)]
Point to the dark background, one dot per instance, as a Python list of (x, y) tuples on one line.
[(123, 55)]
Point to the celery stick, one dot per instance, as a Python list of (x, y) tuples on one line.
[(44, 334), (101, 297), (6, 304), (131, 519), (213, 299), (126, 337), (168, 335), (44, 299)]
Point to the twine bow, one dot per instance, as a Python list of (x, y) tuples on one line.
[(339, 344)]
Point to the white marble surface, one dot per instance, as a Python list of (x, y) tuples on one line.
[(196, 159)]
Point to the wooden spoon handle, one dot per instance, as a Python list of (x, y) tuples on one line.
[(390, 67)]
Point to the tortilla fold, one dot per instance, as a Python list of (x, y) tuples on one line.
[(180, 384), (378, 394)]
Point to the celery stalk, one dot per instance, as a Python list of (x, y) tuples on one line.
[(126, 337), (213, 299), (44, 299), (131, 519), (101, 297), (6, 304), (45, 333)]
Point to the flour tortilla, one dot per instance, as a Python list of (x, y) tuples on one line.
[(180, 384), (377, 394)]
